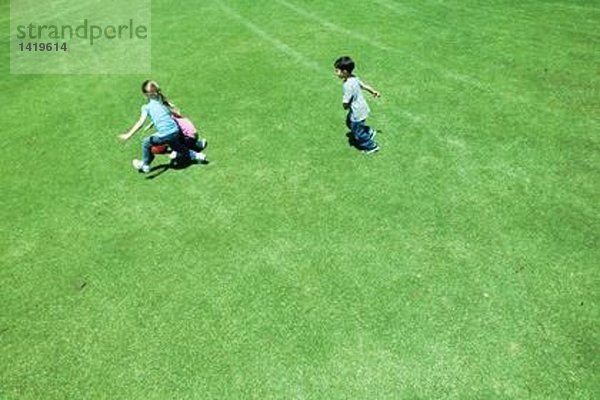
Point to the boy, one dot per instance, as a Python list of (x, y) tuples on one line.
[(354, 101)]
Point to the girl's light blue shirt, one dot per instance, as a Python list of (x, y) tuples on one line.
[(161, 117)]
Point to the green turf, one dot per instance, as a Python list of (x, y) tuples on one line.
[(460, 262)]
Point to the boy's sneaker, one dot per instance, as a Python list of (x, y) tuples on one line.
[(140, 166), (373, 133), (371, 151)]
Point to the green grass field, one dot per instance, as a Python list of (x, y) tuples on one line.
[(460, 262)]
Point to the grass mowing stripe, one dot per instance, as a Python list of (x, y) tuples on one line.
[(396, 8), (333, 27), (275, 42), (361, 37), (524, 14), (506, 62)]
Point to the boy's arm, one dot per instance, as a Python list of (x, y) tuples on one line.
[(347, 98), (370, 89), (134, 129)]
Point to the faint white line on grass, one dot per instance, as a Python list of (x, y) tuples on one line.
[(574, 6), (402, 10), (414, 119), (520, 13), (278, 44), (469, 80), (393, 7), (457, 76), (333, 27)]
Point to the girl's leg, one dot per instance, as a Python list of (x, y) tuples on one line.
[(201, 144), (147, 144), (174, 141), (197, 144), (180, 148)]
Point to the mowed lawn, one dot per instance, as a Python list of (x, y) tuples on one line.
[(460, 262)]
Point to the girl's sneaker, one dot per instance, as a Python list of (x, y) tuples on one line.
[(197, 156), (203, 144), (200, 157), (140, 166)]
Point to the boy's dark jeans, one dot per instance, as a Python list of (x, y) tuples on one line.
[(361, 134)]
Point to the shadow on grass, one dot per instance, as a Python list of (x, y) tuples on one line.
[(352, 141), (158, 170)]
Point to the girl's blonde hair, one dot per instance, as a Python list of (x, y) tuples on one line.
[(152, 88)]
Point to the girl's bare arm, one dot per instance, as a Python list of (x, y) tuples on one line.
[(149, 126), (134, 129)]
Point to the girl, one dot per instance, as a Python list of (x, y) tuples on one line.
[(158, 109), (189, 136)]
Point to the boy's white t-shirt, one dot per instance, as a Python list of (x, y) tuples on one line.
[(353, 95)]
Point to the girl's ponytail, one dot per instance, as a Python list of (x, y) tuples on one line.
[(163, 99), (152, 87)]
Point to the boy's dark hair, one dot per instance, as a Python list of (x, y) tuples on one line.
[(345, 64)]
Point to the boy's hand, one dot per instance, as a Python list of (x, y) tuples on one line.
[(123, 137), (376, 94)]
